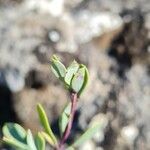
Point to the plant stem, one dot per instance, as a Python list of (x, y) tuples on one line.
[(69, 125)]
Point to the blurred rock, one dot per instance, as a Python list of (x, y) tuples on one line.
[(111, 37), (25, 104), (66, 41), (53, 7), (129, 133), (137, 93), (89, 145), (73, 3), (14, 80), (95, 24)]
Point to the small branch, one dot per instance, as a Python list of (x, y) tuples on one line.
[(69, 126)]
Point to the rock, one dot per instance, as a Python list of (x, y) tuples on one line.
[(110, 37), (66, 41), (15, 81), (89, 145), (130, 133), (115, 6), (147, 24), (73, 3), (95, 24), (53, 7), (26, 100), (43, 53), (134, 97), (54, 36)]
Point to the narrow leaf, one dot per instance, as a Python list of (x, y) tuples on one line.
[(30, 141), (87, 135), (71, 70), (15, 143), (64, 118), (48, 139), (40, 142), (45, 123)]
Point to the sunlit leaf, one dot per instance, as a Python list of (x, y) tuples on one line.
[(40, 142), (78, 80), (75, 77), (15, 143), (87, 135), (86, 79), (30, 141), (57, 67), (71, 70), (45, 123), (64, 118), (48, 139), (14, 131)]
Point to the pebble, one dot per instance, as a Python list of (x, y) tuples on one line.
[(89, 145), (15, 81), (130, 133)]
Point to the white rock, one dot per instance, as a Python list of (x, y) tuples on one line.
[(54, 36), (95, 24), (54, 7), (65, 26), (89, 145), (129, 133), (14, 80)]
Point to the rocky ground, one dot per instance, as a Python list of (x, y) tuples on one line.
[(111, 37)]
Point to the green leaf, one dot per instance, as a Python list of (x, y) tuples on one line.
[(40, 142), (87, 135), (58, 68), (86, 79), (30, 141), (45, 123), (14, 131), (64, 118), (78, 80), (70, 148), (48, 139), (71, 70), (16, 144)]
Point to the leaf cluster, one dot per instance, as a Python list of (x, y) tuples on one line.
[(75, 78)]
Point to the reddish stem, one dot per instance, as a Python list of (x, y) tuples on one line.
[(69, 126)]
